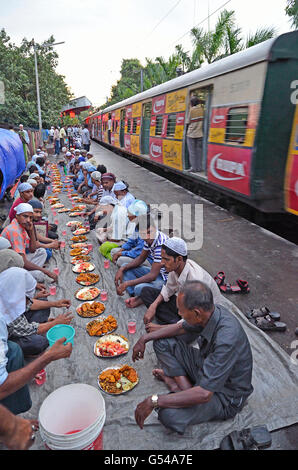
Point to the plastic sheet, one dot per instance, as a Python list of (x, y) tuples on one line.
[(12, 158)]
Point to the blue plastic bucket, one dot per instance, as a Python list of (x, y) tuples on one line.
[(61, 331)]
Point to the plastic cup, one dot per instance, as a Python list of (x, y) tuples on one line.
[(90, 246), (64, 233), (41, 377), (56, 271), (131, 326), (61, 331), (62, 244), (53, 290), (54, 213), (104, 295), (106, 264), (56, 221)]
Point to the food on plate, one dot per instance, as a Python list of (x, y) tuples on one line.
[(81, 231), (87, 279), (102, 326), (83, 267), (87, 293), (93, 309), (79, 238), (75, 214), (56, 206), (118, 380), (80, 207), (63, 210), (80, 259), (111, 346), (79, 245), (79, 251), (73, 223)]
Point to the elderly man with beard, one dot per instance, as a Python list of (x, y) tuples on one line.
[(21, 235)]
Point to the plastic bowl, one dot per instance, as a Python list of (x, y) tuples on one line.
[(61, 331)]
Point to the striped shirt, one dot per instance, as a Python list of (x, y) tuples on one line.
[(155, 251)]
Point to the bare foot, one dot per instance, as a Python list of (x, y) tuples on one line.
[(153, 327), (169, 381), (133, 302)]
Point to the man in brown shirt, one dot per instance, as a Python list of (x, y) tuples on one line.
[(194, 135)]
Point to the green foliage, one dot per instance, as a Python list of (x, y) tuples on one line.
[(292, 11), (18, 74)]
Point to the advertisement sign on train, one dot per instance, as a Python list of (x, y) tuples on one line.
[(291, 182), (136, 110), (155, 149), (159, 105), (176, 101), (172, 154), (135, 144), (127, 142), (229, 167)]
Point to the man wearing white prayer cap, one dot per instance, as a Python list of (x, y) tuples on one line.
[(161, 305), (22, 237), (122, 194), (26, 194)]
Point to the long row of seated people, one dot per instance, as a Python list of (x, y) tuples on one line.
[(205, 355)]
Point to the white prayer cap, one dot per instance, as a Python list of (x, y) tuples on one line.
[(68, 154), (32, 182), (119, 186), (34, 175), (177, 244), (4, 243), (106, 200), (96, 175), (24, 187), (77, 151), (23, 207)]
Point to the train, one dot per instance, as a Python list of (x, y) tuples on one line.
[(250, 125)]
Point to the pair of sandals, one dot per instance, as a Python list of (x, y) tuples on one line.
[(266, 320), (255, 438), (241, 286)]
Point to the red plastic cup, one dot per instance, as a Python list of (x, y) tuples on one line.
[(56, 271), (64, 233), (103, 295), (131, 326), (62, 244), (53, 290), (90, 246), (54, 213), (56, 221), (41, 377), (106, 264)]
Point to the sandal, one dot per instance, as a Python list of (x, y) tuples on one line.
[(268, 324), (262, 312), (243, 286), (220, 278)]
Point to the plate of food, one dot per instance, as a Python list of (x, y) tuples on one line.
[(72, 223), (87, 279), (118, 380), (79, 238), (57, 206), (80, 250), (79, 245), (80, 259), (81, 231), (83, 267), (111, 345), (93, 309), (75, 214), (102, 326), (87, 293), (63, 210), (79, 207)]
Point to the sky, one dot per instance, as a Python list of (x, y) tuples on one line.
[(98, 34)]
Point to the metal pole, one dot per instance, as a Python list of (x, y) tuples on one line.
[(37, 92), (142, 81)]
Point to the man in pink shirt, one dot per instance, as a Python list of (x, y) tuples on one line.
[(26, 194)]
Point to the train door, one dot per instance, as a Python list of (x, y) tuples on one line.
[(204, 94), (122, 126), (145, 132)]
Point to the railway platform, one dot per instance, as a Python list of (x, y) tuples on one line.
[(230, 244)]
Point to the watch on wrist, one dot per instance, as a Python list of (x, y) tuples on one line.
[(154, 400)]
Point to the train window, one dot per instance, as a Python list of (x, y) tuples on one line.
[(158, 127), (134, 125), (236, 125), (171, 127), (128, 125)]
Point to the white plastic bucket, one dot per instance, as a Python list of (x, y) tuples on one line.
[(72, 418)]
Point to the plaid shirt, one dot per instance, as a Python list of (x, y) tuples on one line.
[(17, 236), (21, 327)]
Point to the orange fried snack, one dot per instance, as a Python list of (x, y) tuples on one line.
[(98, 328)]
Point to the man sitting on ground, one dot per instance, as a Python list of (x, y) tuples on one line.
[(25, 195), (21, 235), (210, 378), (133, 277), (162, 305)]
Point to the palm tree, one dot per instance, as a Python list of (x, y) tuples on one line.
[(262, 34), (292, 12)]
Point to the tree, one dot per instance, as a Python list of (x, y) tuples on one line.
[(18, 74), (292, 12)]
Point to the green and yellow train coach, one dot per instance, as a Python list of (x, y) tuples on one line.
[(250, 127)]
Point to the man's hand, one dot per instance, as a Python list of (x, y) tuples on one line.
[(63, 303), (52, 275), (119, 277), (116, 256), (22, 434), (63, 318), (142, 411), (59, 350), (121, 288), (55, 245), (150, 314), (139, 350)]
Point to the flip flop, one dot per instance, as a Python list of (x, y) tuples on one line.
[(228, 289), (220, 278), (268, 324), (262, 312), (243, 286)]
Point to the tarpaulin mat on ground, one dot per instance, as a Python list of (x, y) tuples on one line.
[(274, 401)]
